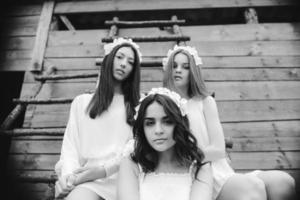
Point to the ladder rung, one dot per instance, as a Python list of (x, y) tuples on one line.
[(152, 39), (145, 23), (42, 101), (146, 63), (63, 77), (19, 132)]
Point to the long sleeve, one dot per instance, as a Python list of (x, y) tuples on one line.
[(69, 159), (112, 166)]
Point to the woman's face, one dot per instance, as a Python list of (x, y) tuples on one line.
[(181, 70), (123, 63), (158, 128)]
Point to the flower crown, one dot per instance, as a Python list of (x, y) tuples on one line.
[(190, 50), (117, 41), (180, 102)]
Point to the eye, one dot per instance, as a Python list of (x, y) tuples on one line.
[(175, 65), (148, 122), (186, 66), (168, 121), (119, 56)]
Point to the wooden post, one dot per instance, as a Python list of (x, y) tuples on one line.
[(41, 37), (251, 16)]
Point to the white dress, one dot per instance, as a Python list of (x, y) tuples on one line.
[(221, 170), (165, 186), (99, 141)]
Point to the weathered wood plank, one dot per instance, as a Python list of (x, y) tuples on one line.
[(17, 43), (15, 54), (208, 62), (253, 32), (14, 65), (240, 144), (230, 111), (41, 36), (104, 6), (245, 160), (153, 74), (231, 48), (20, 21), (34, 9), (262, 129), (19, 31), (231, 129), (225, 90)]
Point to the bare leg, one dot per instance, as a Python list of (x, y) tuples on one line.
[(243, 187), (80, 193), (279, 185)]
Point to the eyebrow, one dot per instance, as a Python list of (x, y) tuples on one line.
[(124, 55)]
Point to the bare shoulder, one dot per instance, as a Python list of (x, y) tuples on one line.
[(128, 164)]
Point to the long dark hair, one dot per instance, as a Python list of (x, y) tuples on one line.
[(104, 93), (197, 85), (186, 149)]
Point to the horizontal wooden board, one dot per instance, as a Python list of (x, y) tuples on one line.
[(263, 129), (21, 21), (33, 9), (19, 31), (15, 54), (230, 111), (239, 144), (135, 5), (227, 48), (208, 62), (239, 32), (17, 43), (224, 90), (14, 65), (152, 74), (240, 160)]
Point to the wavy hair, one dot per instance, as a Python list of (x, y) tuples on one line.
[(186, 149), (196, 82), (104, 93)]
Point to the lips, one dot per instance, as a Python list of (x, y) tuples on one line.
[(120, 71), (160, 140), (177, 77)]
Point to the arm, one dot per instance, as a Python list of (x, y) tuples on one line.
[(85, 174), (69, 156), (216, 149), (202, 187), (128, 181)]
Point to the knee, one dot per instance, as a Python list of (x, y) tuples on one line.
[(257, 188)]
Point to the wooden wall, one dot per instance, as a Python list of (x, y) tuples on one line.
[(252, 68)]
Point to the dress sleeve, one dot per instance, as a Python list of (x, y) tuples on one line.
[(113, 165), (69, 158)]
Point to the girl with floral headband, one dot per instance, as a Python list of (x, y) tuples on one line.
[(100, 126), (182, 73), (166, 162)]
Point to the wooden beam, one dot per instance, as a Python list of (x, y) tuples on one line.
[(41, 36), (67, 22), (137, 5)]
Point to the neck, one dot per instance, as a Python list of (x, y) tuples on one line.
[(183, 92), (118, 88), (167, 156)]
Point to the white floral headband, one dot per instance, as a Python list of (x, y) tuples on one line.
[(191, 50), (117, 41), (180, 102)]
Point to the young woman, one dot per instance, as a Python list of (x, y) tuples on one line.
[(166, 162), (182, 73), (99, 127)]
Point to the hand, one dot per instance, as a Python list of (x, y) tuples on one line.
[(62, 189), (87, 174)]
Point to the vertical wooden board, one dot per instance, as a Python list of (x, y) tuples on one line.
[(41, 36)]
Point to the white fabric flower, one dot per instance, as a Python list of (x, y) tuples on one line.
[(117, 41), (189, 49)]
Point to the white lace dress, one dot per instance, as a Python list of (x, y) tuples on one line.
[(99, 141), (221, 170), (165, 186)]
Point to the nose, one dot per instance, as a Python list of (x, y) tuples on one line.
[(123, 63), (158, 129), (178, 69)]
